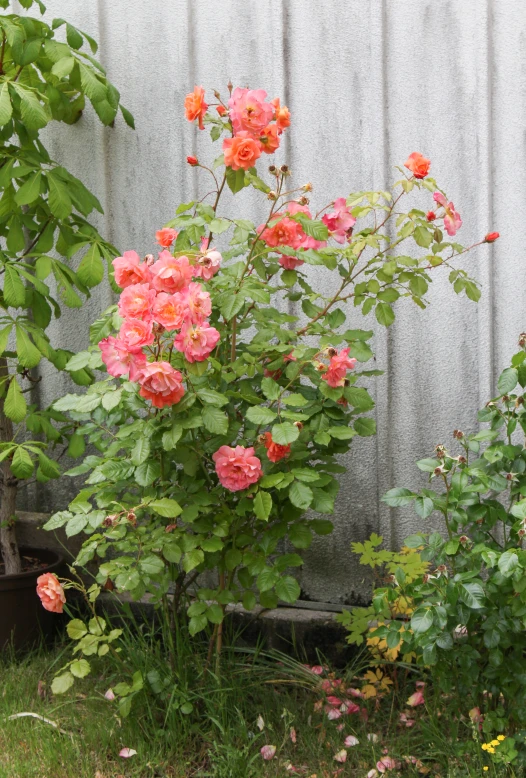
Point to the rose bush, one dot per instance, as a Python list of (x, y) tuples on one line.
[(224, 413)]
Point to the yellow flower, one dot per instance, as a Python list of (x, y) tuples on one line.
[(484, 746), (495, 743), (501, 737), (485, 768), (491, 750)]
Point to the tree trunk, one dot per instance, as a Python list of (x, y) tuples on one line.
[(9, 489)]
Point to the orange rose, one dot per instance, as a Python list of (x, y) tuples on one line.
[(418, 164), (269, 139), (195, 106), (241, 151)]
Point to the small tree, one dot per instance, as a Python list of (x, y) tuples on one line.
[(43, 211)]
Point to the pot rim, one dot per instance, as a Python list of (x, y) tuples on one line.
[(57, 560)]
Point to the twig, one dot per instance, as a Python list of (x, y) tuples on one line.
[(40, 718)]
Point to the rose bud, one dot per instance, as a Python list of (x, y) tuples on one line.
[(132, 518), (221, 110), (192, 161), (491, 237), (307, 187), (431, 216)]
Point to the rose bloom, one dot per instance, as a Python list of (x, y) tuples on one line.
[(237, 468), (269, 139), (208, 265), (195, 106), (339, 221), (161, 384), (452, 220), (337, 370), (169, 310), (51, 593), (241, 151), (196, 341), (136, 302), (197, 303), (129, 270), (290, 263), (171, 274), (275, 451), (166, 236), (119, 360), (418, 165), (282, 114), (281, 232), (248, 110), (136, 333)]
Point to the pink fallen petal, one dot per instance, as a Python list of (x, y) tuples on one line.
[(420, 684), (332, 700), (110, 695), (268, 752), (372, 774), (351, 740), (260, 723), (292, 734), (350, 707), (341, 756), (333, 713), (386, 763), (340, 727), (127, 752), (372, 738), (416, 699), (407, 721), (354, 692), (317, 670)]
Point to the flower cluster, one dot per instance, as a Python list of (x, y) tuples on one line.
[(160, 299), (256, 124), (493, 744)]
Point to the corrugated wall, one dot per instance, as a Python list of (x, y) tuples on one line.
[(367, 82)]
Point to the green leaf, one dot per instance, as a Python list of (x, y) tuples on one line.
[(214, 613), (300, 536), (78, 361), (285, 433), (210, 397), (424, 506), (28, 354), (398, 497), (288, 589), (508, 380), (91, 85), (166, 507), (76, 525), (215, 420), (6, 109), (76, 629), (365, 426), (22, 464), (258, 414), (422, 620), (262, 505), (15, 405), (341, 433), (197, 624), (63, 67), (91, 269), (128, 117), (14, 290), (300, 495), (4, 337), (73, 37), (172, 437), (147, 473), (231, 305), (34, 115), (472, 594), (141, 451), (80, 668), (423, 237), (59, 200), (192, 559), (235, 179), (61, 683), (508, 563), (30, 190), (384, 314)]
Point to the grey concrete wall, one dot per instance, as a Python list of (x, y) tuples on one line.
[(367, 82)]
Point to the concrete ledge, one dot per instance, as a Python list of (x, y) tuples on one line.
[(29, 532)]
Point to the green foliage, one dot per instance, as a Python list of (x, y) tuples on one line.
[(468, 610), (44, 212)]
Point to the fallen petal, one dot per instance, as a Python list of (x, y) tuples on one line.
[(341, 756), (292, 734), (372, 774), (350, 740), (260, 723), (110, 695), (372, 738), (127, 752), (268, 752)]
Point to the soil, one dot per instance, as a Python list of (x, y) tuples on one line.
[(29, 564)]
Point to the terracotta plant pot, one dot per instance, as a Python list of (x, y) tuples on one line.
[(23, 620)]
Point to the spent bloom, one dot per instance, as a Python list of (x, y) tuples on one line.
[(452, 220), (338, 366), (341, 756), (418, 164), (51, 593), (416, 699), (339, 221), (195, 106), (237, 468)]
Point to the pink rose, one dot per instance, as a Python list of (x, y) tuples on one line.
[(136, 333), (241, 151), (171, 274), (129, 270), (136, 302), (208, 265), (166, 236), (290, 263), (196, 341), (337, 370), (197, 302), (51, 593), (248, 110), (452, 220), (237, 468), (339, 221), (119, 360), (161, 384), (169, 310), (283, 232)]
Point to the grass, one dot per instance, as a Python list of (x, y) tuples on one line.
[(221, 736)]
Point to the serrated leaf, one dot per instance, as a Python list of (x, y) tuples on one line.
[(147, 473), (365, 426), (76, 629), (76, 525), (508, 380), (15, 406), (14, 290), (235, 179), (59, 200), (29, 191), (166, 507), (288, 589), (210, 397), (398, 497), (422, 620), (91, 86), (472, 594), (22, 465), (262, 505), (141, 451), (28, 354), (6, 109), (384, 314), (259, 414), (171, 437), (300, 535), (300, 495), (285, 433), (91, 269), (34, 115), (215, 420)]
